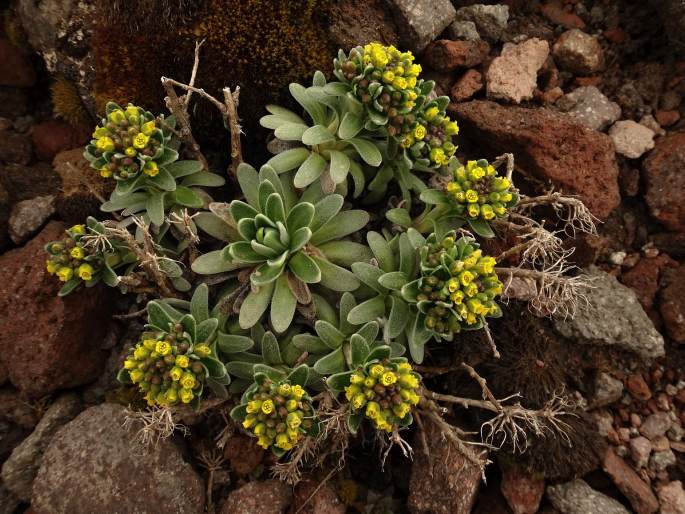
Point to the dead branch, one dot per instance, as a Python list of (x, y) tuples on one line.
[(184, 221), (157, 424), (569, 209)]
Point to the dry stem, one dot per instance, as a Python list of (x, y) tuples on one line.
[(571, 210), (158, 424)]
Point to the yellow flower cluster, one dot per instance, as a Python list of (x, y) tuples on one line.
[(167, 368), (459, 285), (278, 414), (384, 392), (125, 143), (479, 192), (69, 259), (435, 133), (398, 67)]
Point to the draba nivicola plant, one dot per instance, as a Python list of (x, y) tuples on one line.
[(320, 290)]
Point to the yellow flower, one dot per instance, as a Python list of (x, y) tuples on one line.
[(437, 155), (293, 421), (267, 406), (419, 132), (487, 212), (473, 210), (262, 441), (51, 266), (451, 128), (260, 429), (182, 361), (401, 410), (297, 392), (77, 252), (431, 113), (141, 352), (188, 381), (388, 76), (104, 144), (151, 168), (284, 389), (105, 172), (176, 373), (409, 381), (187, 395), (376, 370), (172, 396), (163, 348), (202, 350), (136, 375), (100, 132), (85, 272), (131, 152), (253, 406), (149, 344), (117, 116), (373, 410), (283, 442), (131, 110), (411, 82), (407, 141), (130, 364), (148, 128), (291, 405), (358, 401), (388, 378), (399, 83), (415, 69), (65, 273), (356, 378), (471, 196), (140, 140), (457, 297)]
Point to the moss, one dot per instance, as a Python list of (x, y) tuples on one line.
[(67, 104), (260, 45)]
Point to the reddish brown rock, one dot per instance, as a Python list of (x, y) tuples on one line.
[(672, 498), (15, 67), (48, 343), (447, 483), (667, 118), (666, 181), (672, 302), (16, 410), (243, 454), (466, 86), (15, 147), (629, 483), (267, 497), (312, 497), (548, 146), (555, 13), (52, 137), (643, 278), (522, 491), (637, 387), (447, 55)]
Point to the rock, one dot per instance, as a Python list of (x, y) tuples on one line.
[(590, 107), (555, 13), (243, 454), (420, 22), (665, 181), (8, 502), (650, 122), (446, 55), (267, 497), (21, 467), (672, 303), (578, 52), (93, 464), (15, 67), (25, 182), (631, 138), (607, 390), (28, 216), (513, 75), (629, 483), (15, 148), (637, 386), (661, 460), (490, 20), (448, 483), (613, 317), (643, 278), (307, 499), (358, 22), (13, 102), (61, 335), (672, 498), (466, 86), (548, 146), (52, 137), (5, 210), (465, 30), (522, 491), (640, 449), (667, 118), (656, 424), (576, 497), (17, 410)]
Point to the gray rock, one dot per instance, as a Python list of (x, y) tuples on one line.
[(513, 75), (21, 467), (578, 52), (93, 464), (490, 20), (656, 425), (607, 390), (29, 216), (661, 460), (613, 317), (421, 21), (631, 139), (590, 107), (576, 497), (465, 30)]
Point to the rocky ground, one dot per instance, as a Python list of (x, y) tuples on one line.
[(587, 94)]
